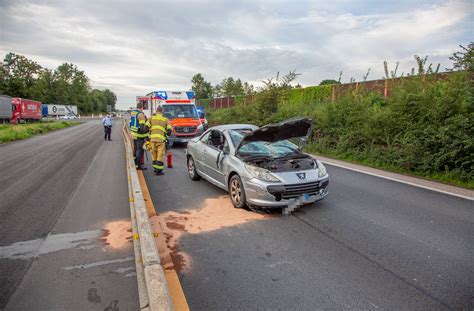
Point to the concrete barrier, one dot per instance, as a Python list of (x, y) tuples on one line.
[(152, 287)]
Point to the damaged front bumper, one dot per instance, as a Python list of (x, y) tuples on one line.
[(270, 195)]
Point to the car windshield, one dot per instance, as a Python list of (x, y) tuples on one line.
[(180, 111), (277, 149)]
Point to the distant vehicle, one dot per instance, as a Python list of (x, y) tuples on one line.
[(19, 110), (202, 117), (69, 117), (180, 109), (5, 109), (259, 166), (55, 111)]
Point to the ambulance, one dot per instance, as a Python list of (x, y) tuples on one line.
[(180, 109)]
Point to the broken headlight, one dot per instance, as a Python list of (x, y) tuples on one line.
[(322, 169), (261, 173)]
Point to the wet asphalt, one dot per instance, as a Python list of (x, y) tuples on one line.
[(371, 244), (64, 239)]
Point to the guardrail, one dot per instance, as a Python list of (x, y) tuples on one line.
[(152, 287)]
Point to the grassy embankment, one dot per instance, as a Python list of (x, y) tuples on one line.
[(424, 128), (9, 132)]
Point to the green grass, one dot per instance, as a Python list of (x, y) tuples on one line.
[(450, 178), (12, 132)]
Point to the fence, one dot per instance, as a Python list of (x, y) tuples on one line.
[(382, 86)]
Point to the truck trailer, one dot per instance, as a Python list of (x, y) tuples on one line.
[(19, 110), (25, 110), (5, 109), (59, 110)]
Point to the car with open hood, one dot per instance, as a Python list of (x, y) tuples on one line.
[(262, 167)]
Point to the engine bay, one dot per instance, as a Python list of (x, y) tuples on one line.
[(297, 162)]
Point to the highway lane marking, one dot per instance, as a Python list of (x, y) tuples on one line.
[(397, 179), (52, 243), (99, 263), (123, 270)]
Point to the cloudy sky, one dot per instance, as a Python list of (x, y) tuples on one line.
[(134, 47)]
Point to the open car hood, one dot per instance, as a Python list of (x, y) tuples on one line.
[(291, 128)]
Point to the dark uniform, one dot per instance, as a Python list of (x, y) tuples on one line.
[(139, 127)]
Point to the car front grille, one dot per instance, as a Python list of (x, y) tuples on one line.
[(185, 130), (296, 190)]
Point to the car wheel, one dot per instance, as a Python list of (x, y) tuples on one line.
[(237, 192), (192, 169)]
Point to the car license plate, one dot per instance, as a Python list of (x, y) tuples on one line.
[(306, 198)]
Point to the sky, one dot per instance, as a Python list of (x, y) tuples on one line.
[(135, 47)]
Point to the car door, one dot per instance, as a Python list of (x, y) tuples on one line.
[(200, 151), (212, 157)]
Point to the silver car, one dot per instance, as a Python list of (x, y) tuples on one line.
[(259, 166)]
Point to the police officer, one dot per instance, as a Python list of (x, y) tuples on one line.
[(160, 129), (140, 132)]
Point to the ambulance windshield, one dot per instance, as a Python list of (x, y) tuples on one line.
[(180, 111)]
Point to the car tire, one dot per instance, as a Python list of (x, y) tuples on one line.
[(237, 192), (192, 169)]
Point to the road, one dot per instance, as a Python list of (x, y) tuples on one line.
[(65, 242), (371, 244)]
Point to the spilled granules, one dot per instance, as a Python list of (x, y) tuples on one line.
[(214, 214), (117, 234)]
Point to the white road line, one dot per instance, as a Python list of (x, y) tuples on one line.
[(123, 270), (99, 263), (399, 180), (52, 243)]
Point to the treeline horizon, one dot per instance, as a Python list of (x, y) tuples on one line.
[(65, 85)]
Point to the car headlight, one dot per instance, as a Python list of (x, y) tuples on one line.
[(322, 169), (261, 173), (200, 127)]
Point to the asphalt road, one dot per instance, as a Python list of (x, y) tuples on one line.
[(64, 239), (371, 244)]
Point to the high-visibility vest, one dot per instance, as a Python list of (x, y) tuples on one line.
[(159, 127), (135, 124)]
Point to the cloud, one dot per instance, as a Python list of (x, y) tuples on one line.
[(133, 47)]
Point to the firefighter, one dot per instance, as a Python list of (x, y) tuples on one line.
[(139, 127), (160, 129)]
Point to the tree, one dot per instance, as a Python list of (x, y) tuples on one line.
[(202, 88), (66, 85), (42, 90), (230, 87), (110, 98), (249, 89), (464, 59), (329, 81), (19, 75), (281, 82), (98, 100)]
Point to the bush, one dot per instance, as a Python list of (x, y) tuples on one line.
[(21, 131), (425, 127)]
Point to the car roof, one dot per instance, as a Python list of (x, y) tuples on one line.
[(233, 127)]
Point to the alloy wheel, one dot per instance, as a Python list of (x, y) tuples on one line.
[(236, 191)]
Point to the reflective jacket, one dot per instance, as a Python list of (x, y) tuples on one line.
[(137, 118), (160, 127)]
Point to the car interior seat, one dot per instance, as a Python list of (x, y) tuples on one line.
[(216, 139)]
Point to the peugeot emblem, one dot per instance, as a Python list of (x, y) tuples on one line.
[(301, 175)]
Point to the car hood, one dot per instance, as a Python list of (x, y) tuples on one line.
[(292, 128)]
